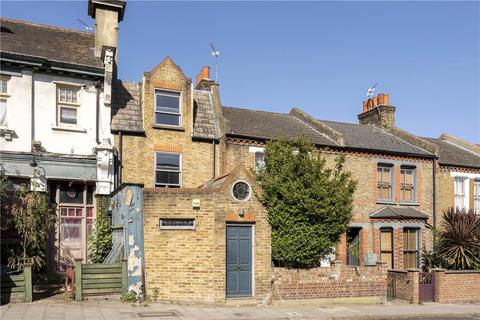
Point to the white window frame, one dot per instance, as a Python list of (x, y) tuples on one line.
[(476, 195), (460, 199), (260, 164), (414, 183), (180, 171), (392, 182), (171, 93), (69, 105)]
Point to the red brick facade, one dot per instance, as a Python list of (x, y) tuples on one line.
[(337, 281)]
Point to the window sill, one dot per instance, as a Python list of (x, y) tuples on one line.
[(409, 203), (69, 129), (385, 202), (167, 127)]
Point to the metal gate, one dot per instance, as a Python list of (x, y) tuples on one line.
[(427, 286), (392, 286)]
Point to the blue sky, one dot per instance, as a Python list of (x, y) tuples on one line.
[(318, 56)]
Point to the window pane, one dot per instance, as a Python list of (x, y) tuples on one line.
[(71, 194), (68, 115), (168, 119), (168, 102), (3, 111), (90, 212), (167, 178), (168, 161), (62, 95), (387, 258), (90, 190), (386, 240), (3, 86), (71, 229)]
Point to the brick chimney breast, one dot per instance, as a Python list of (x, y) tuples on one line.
[(378, 112)]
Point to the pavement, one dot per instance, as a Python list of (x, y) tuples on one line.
[(113, 310)]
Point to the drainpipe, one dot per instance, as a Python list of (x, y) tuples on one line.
[(97, 86), (120, 145), (434, 199), (214, 158), (33, 112)]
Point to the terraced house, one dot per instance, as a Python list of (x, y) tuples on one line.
[(177, 140)]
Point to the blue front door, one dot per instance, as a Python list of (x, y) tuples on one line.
[(239, 261)]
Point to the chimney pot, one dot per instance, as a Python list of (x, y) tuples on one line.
[(204, 74)]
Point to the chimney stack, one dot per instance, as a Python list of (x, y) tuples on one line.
[(378, 112), (203, 81), (107, 15)]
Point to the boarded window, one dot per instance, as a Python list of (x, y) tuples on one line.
[(410, 248), (386, 247), (407, 184), (384, 182)]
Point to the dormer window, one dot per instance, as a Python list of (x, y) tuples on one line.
[(167, 108)]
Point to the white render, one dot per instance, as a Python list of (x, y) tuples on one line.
[(80, 141)]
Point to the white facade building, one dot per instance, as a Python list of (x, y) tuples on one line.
[(55, 119)]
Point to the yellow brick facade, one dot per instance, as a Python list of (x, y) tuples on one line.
[(189, 265), (139, 150)]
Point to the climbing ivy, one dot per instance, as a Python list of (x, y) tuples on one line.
[(100, 243)]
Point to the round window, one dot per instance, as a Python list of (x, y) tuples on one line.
[(241, 190)]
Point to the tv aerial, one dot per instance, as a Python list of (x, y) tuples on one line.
[(371, 90), (215, 53), (87, 27)]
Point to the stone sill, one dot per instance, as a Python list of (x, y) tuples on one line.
[(409, 204), (69, 129), (386, 202), (167, 127)]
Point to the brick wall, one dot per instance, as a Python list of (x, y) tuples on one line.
[(363, 167), (457, 286), (337, 281), (189, 265), (403, 285), (138, 151)]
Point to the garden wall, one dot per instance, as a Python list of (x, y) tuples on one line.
[(457, 286), (336, 281)]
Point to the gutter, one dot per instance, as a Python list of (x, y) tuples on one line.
[(120, 147)]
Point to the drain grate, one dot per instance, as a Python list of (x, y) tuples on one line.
[(157, 314), (241, 314)]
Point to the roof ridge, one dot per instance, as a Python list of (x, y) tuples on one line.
[(42, 25), (254, 110)]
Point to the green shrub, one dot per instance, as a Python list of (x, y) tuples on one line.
[(309, 203)]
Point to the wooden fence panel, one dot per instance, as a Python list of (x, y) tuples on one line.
[(100, 279), (17, 284)]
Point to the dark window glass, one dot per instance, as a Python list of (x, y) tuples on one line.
[(167, 102), (71, 193), (68, 115), (168, 161), (167, 108), (168, 119), (167, 178), (90, 191), (241, 190)]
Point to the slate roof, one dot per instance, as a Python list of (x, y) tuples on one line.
[(203, 116), (269, 125), (54, 44), (452, 154), (126, 107), (398, 213), (372, 138)]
